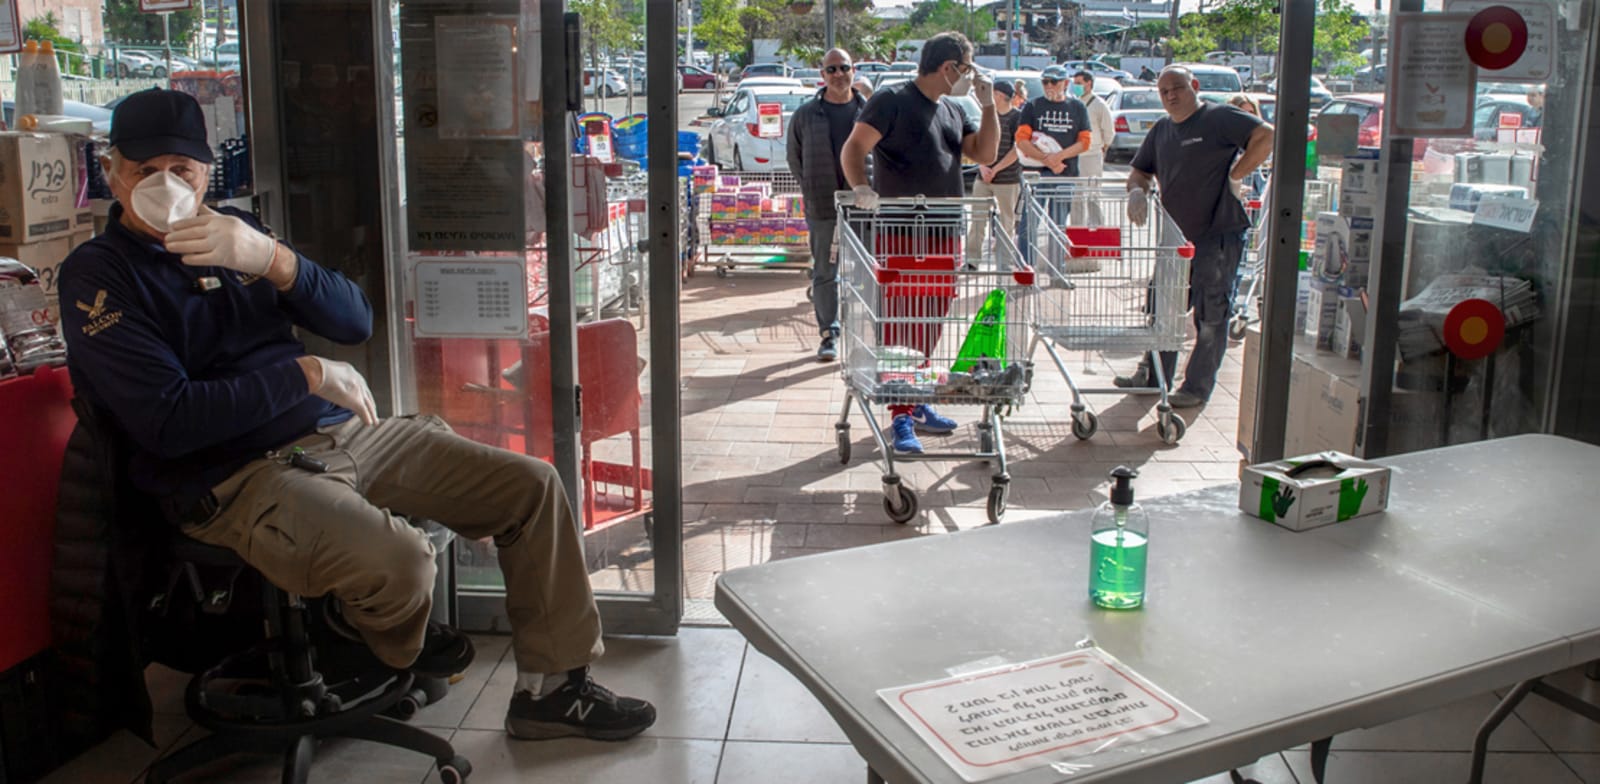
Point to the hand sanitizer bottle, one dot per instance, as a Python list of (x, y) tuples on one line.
[(1119, 535)]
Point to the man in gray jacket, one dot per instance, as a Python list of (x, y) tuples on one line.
[(817, 131)]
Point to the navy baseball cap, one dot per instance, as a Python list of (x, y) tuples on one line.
[(156, 122), (1054, 73), (1004, 88)]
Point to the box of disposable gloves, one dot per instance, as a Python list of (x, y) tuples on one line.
[(1314, 490)]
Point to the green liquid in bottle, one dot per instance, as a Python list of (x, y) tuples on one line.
[(1116, 564)]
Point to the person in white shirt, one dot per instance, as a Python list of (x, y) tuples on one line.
[(1092, 162)]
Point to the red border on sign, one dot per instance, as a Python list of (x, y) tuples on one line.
[(1048, 662), (15, 45)]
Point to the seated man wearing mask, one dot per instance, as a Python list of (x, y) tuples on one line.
[(179, 322)]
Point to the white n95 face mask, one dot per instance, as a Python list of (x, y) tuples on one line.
[(962, 86), (164, 199)]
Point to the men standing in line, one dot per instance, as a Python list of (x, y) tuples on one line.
[(817, 133), (916, 139), (1092, 162), (1003, 180), (1201, 153)]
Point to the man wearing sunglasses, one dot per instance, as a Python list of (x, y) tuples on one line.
[(817, 133), (917, 139)]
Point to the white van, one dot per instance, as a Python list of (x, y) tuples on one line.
[(1215, 78)]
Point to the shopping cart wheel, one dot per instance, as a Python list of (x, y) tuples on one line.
[(998, 493), (1170, 427), (842, 433), (1085, 424), (1236, 328), (908, 503)]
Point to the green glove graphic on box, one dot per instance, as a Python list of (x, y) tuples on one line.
[(1351, 494), (987, 337)]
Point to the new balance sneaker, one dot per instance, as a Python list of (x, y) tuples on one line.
[(905, 435), (928, 421), (828, 351), (579, 708)]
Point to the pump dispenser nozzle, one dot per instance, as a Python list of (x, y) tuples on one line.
[(1122, 487)]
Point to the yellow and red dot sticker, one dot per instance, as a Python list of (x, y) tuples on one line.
[(1474, 328), (1496, 37)]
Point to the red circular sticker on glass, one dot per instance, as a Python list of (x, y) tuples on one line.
[(1496, 37), (1474, 328)]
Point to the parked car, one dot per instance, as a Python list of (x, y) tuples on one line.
[(763, 69), (809, 77), (1134, 111), (870, 67), (1490, 108), (224, 57), (1320, 94), (697, 78), (603, 83), (1267, 101), (1097, 68), (771, 81), (1216, 78), (133, 62), (734, 139), (100, 116), (903, 67), (1368, 110)]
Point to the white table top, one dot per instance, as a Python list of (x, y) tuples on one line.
[(1278, 638)]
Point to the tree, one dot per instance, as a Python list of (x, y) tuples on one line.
[(43, 28), (933, 17), (126, 24), (605, 26), (1336, 42), (1194, 38), (720, 32)]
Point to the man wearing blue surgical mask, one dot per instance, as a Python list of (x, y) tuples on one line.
[(180, 322)]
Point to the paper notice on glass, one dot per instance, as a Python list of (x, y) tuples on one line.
[(465, 194), (471, 297), (1022, 716), (476, 66), (1434, 81), (1506, 212), (532, 68), (769, 118), (1536, 60), (10, 28)]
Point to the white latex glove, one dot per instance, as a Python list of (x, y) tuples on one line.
[(212, 239), (1138, 206), (983, 90), (866, 197), (1236, 187), (342, 385)]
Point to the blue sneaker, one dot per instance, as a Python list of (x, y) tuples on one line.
[(928, 421), (905, 436)]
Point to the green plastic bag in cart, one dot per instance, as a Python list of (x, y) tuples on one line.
[(987, 337)]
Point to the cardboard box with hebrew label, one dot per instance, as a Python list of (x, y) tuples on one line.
[(1314, 490), (38, 199)]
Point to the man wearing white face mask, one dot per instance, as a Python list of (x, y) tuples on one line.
[(180, 321), (916, 139)]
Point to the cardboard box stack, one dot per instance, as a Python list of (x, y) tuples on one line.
[(44, 209), (741, 213)]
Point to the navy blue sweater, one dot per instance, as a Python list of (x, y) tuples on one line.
[(202, 381)]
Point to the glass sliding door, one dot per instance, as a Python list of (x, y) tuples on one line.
[(527, 300)]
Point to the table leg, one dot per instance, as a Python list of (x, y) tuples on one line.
[(873, 777), (1480, 745)]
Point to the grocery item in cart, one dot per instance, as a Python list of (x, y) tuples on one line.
[(31, 337)]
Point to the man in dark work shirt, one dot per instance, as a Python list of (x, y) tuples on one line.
[(817, 132)]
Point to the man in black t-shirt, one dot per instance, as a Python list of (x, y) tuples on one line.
[(916, 139), (817, 133), (1201, 153)]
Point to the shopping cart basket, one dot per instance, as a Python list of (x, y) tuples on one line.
[(1118, 287), (919, 326)]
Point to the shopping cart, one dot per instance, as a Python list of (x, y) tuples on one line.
[(725, 251), (1253, 265), (919, 326), (1117, 287)]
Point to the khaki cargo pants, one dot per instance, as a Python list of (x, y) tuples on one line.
[(337, 533)]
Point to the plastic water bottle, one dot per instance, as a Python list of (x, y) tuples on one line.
[(31, 337), (47, 72), (1118, 543)]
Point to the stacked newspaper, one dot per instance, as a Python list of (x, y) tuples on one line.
[(1422, 317)]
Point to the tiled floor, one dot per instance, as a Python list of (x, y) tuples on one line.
[(762, 476), (729, 715)]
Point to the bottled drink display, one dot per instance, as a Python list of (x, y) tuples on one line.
[(27, 331), (1118, 544)]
